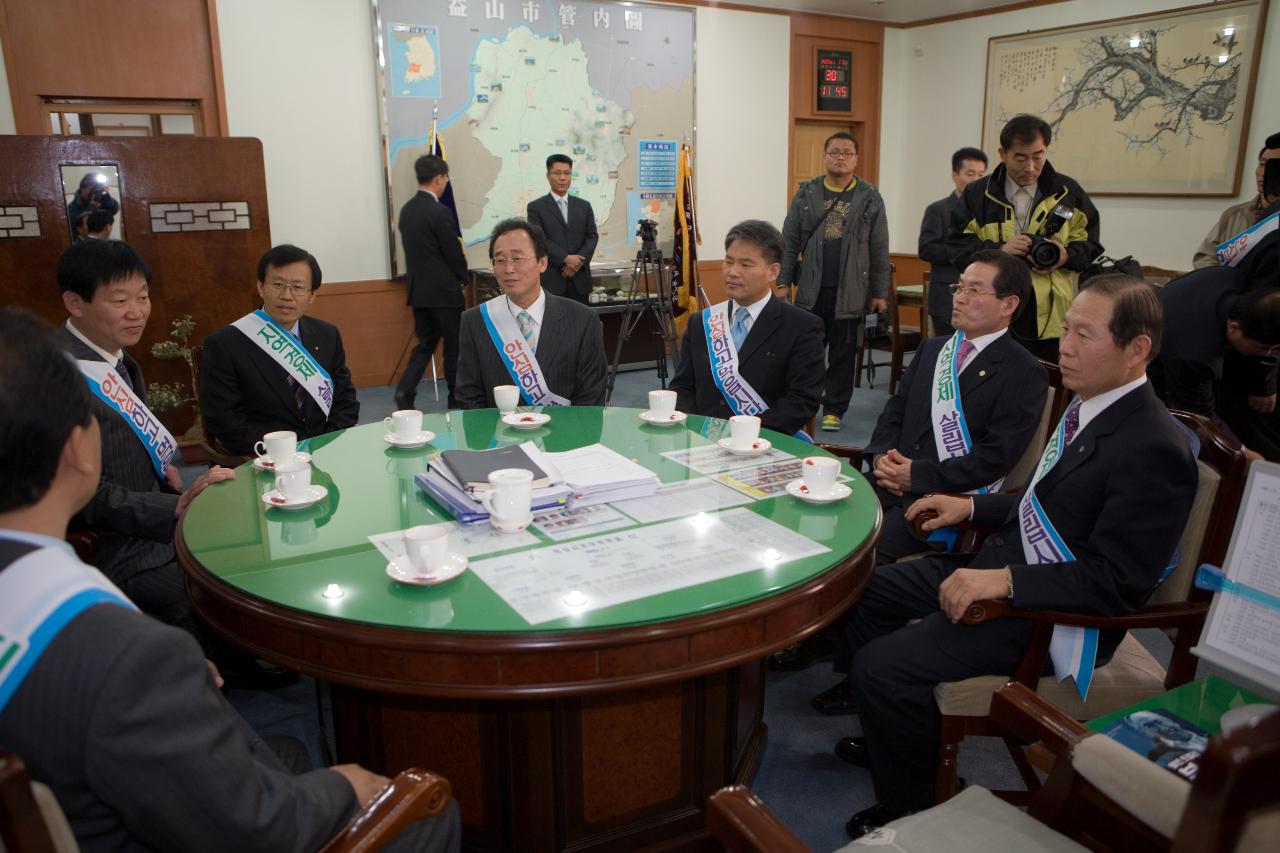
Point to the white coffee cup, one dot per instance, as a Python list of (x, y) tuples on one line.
[(293, 478), (662, 403), (427, 546), (405, 423), (820, 474), (743, 431), (509, 498), (506, 398), (280, 447)]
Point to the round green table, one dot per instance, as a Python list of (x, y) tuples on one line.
[(599, 730)]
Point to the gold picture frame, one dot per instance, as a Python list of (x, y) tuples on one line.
[(1148, 105)]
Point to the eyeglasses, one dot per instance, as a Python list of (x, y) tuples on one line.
[(296, 288), (515, 261), (842, 154), (970, 292)]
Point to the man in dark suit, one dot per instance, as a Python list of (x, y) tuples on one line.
[(1115, 484), (570, 226), (967, 165), (781, 351), (561, 343), (1002, 391), (115, 712), (247, 392), (106, 288), (436, 278)]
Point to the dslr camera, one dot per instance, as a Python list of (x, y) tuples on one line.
[(1044, 252)]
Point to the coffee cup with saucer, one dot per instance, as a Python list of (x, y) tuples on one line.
[(428, 560), (509, 499), (755, 448), (294, 489)]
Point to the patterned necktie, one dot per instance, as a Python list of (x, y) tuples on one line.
[(525, 321), (741, 325), (299, 394), (1073, 424), (966, 350), (124, 374), (563, 203)]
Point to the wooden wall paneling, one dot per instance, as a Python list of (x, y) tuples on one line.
[(376, 326), (82, 48), (207, 274)]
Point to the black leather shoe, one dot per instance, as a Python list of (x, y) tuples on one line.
[(836, 701), (801, 655), (257, 675), (869, 820), (854, 751)]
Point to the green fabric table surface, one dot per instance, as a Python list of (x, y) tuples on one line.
[(289, 557), (1201, 702)]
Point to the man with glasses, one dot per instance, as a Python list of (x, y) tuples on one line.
[(550, 347), (276, 368), (964, 413), (835, 253)]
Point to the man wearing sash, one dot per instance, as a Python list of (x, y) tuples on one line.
[(276, 368), (106, 290), (753, 354), (1240, 217), (1092, 533), (549, 347), (117, 713)]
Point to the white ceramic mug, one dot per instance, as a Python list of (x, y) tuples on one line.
[(293, 479), (743, 431), (509, 498), (506, 398), (406, 424), (662, 403), (427, 546), (820, 474), (280, 447)]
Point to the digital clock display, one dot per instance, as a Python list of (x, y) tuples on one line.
[(833, 81)]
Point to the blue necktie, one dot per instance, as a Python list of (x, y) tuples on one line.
[(525, 321), (741, 325)]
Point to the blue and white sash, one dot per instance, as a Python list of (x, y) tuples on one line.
[(108, 387), (288, 352), (516, 354), (950, 429), (741, 397), (40, 593), (1233, 251), (1073, 650)]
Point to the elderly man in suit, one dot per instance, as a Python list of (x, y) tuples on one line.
[(1092, 533), (550, 347), (774, 367), (570, 226), (436, 278), (276, 368), (118, 714)]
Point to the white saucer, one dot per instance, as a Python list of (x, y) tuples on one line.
[(408, 443), (508, 527), (525, 420), (797, 489), (671, 420), (455, 564), (761, 445), (264, 463), (315, 494)]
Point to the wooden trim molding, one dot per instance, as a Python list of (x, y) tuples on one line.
[(976, 13), (219, 87)]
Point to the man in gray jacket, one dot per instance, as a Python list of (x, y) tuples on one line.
[(835, 252)]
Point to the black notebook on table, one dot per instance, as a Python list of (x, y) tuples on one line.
[(472, 468)]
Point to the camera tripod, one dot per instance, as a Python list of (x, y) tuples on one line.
[(650, 297)]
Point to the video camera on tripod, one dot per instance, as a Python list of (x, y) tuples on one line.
[(647, 231)]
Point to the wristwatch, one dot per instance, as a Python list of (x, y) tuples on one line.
[(1010, 582)]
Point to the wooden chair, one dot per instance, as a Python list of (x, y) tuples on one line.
[(31, 821), (1132, 674), (1100, 794), (905, 338), (218, 455)]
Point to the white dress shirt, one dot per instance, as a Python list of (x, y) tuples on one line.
[(753, 309), (110, 358), (536, 310), (1094, 406), (979, 344)]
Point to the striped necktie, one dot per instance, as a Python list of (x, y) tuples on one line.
[(525, 321), (966, 350), (124, 374)]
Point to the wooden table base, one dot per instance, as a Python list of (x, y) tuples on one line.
[(630, 770)]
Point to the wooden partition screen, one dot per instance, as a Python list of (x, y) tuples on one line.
[(195, 207)]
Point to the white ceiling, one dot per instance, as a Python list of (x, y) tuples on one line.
[(889, 11)]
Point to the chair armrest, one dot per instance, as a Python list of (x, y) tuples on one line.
[(852, 454), (85, 543), (971, 535), (219, 455), (1156, 616), (412, 795), (1029, 718), (743, 824)]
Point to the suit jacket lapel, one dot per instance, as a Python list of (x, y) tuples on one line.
[(550, 316), (1086, 442), (761, 330), (984, 366)]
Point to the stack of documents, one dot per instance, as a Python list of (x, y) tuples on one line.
[(595, 475), (457, 478)]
